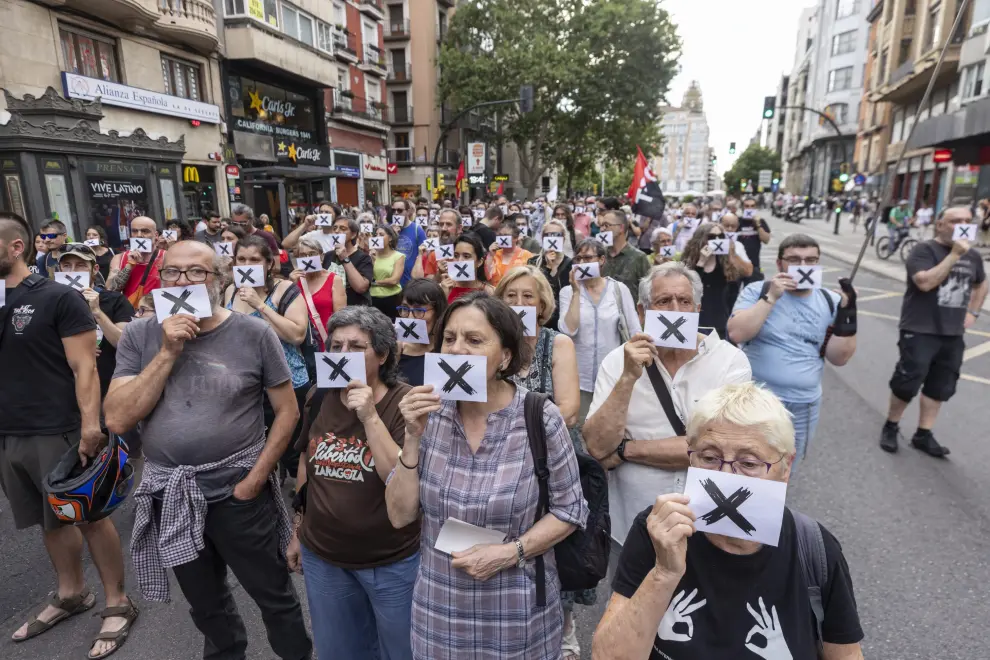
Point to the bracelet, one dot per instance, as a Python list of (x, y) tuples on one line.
[(402, 463), (975, 314)]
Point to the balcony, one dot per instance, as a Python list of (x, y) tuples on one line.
[(189, 22), (400, 116), (344, 47), (400, 155), (266, 48), (399, 75), (373, 8), (374, 61), (907, 82), (358, 111), (397, 31), (131, 15)]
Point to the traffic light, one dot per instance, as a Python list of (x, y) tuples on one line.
[(776, 180), (769, 105), (732, 147), (843, 177), (526, 99)]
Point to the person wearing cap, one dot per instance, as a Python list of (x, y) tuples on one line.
[(111, 310), (897, 221)]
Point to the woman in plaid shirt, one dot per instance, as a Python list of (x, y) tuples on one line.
[(471, 461)]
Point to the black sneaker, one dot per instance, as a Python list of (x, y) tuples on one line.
[(925, 441), (888, 436)]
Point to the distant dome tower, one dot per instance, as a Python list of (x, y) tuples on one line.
[(693, 101)]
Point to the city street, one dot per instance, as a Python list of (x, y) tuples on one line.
[(915, 530)]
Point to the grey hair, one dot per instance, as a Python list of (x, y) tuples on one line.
[(670, 269), (380, 331), (243, 209), (747, 405), (365, 217), (592, 243), (311, 244), (658, 231), (353, 225)]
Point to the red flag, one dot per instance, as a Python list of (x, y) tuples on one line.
[(501, 188), (644, 191), (458, 183)]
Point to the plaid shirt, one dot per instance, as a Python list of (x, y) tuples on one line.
[(177, 537), (454, 615)]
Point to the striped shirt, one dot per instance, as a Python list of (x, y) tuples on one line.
[(454, 615)]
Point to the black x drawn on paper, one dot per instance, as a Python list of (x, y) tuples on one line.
[(717, 246), (504, 243), (584, 272), (806, 276), (672, 328), (335, 239), (522, 313), (456, 377), (308, 264), (180, 302), (408, 330), (963, 231), (246, 276), (603, 238), (446, 251), (140, 244), (727, 508), (336, 368), (462, 270), (75, 282), (224, 249), (552, 245)]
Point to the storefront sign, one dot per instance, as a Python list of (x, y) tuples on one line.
[(265, 109), (81, 87), (301, 153), (477, 180), (500, 178), (476, 157), (118, 168), (115, 203), (275, 130), (375, 167), (233, 171), (392, 168), (350, 172), (190, 174)]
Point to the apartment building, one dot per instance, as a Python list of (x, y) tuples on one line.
[(683, 164), (151, 145), (775, 133), (874, 116), (794, 155)]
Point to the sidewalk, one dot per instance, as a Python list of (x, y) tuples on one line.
[(844, 247)]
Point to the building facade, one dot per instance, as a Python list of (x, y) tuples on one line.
[(684, 161), (795, 156), (874, 116)]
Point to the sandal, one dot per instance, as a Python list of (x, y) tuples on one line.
[(70, 606), (569, 645), (118, 637)]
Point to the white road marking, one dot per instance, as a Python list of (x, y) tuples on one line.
[(976, 351), (879, 296), (975, 379)]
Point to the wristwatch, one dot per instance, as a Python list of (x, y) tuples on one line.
[(346, 260), (621, 450), (975, 314), (766, 297)]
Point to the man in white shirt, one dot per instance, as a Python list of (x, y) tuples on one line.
[(627, 428), (308, 229)]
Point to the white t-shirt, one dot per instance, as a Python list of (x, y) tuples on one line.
[(633, 487), (924, 216)]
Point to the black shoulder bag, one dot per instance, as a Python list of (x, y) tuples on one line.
[(663, 393)]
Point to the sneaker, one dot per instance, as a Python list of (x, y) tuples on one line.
[(888, 436), (925, 441)]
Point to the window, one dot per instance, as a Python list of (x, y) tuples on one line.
[(297, 24), (846, 8), (324, 37), (89, 55), (339, 15), (840, 79), (905, 52), (181, 78), (844, 43), (343, 79), (839, 112), (972, 81), (933, 26), (981, 15), (882, 73), (263, 10)]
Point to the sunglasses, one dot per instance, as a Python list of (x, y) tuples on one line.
[(51, 237)]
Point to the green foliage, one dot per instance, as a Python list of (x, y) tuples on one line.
[(599, 69), (618, 176), (748, 166)]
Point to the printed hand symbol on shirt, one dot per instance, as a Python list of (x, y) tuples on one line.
[(768, 626), (678, 612)]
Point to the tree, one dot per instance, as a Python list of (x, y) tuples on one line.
[(599, 69), (618, 176), (748, 167)]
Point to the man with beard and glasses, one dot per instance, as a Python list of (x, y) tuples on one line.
[(209, 498), (50, 400), (449, 224)]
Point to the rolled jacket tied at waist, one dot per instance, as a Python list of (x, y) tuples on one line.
[(176, 537)]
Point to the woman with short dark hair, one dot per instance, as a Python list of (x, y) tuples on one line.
[(422, 299)]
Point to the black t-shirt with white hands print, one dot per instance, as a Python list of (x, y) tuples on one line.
[(742, 607)]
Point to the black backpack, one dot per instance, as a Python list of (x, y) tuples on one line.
[(582, 557)]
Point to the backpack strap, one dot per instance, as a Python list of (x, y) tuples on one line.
[(831, 327), (663, 393), (814, 565), (538, 446)]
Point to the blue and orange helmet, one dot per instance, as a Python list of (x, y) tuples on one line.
[(80, 494)]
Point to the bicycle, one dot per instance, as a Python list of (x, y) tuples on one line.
[(885, 250)]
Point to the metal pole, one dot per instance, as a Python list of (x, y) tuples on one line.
[(603, 178), (889, 188)]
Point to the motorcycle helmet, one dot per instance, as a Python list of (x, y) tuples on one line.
[(80, 494)]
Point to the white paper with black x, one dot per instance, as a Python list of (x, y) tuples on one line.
[(732, 235), (553, 243), (749, 214), (467, 221), (376, 243), (249, 276), (170, 235), (412, 331), (527, 314), (338, 240), (605, 238), (423, 221), (142, 245), (806, 277), (192, 300), (443, 252), (224, 249), (736, 505), (479, 213), (367, 228), (461, 271), (457, 377), (431, 244), (719, 245), (77, 281), (672, 329), (504, 242), (336, 370), (668, 251), (587, 271), (324, 220), (309, 264), (92, 242), (964, 232), (398, 220)]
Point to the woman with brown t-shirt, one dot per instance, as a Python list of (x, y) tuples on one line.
[(359, 570)]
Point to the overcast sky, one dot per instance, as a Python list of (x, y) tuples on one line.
[(737, 50)]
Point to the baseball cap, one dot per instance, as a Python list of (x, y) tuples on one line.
[(80, 250)]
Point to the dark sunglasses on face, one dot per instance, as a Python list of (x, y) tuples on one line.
[(395, 210), (552, 234), (51, 237)]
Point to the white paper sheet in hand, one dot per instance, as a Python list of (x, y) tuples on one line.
[(458, 536), (806, 277), (528, 316), (668, 251), (309, 264), (376, 243), (504, 242), (3, 293), (192, 300), (457, 377), (224, 249), (324, 220), (553, 243), (336, 370), (338, 240), (467, 221), (964, 232), (249, 276), (77, 281), (442, 252), (735, 505), (411, 331), (367, 228), (461, 271), (142, 245), (587, 271), (672, 329), (398, 220), (92, 242), (605, 238), (170, 235), (431, 244), (719, 245)]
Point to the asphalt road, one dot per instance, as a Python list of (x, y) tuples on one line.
[(915, 530)]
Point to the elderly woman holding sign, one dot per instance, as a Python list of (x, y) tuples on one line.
[(786, 594), (467, 465)]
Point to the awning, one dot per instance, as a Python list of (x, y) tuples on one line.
[(950, 130), (279, 171)]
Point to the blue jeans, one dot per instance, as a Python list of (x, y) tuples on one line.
[(805, 419), (362, 614)]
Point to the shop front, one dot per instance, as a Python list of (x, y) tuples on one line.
[(56, 163), (199, 192), (375, 178), (347, 167)]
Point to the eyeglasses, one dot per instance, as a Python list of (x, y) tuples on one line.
[(400, 210), (415, 312), (141, 311), (552, 234), (749, 467), (52, 237), (584, 258), (609, 225), (197, 275), (798, 261)]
